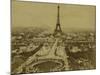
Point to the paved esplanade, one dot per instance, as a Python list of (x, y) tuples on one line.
[(51, 54)]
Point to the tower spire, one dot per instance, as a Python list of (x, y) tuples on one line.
[(58, 19), (58, 13)]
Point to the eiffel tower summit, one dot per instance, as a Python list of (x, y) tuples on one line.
[(58, 30)]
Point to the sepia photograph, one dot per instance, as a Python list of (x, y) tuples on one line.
[(52, 37)]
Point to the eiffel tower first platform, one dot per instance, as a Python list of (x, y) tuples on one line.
[(58, 31)]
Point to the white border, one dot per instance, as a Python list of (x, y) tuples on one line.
[(84, 2), (5, 37)]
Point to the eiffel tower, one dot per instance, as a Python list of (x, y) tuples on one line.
[(58, 29)]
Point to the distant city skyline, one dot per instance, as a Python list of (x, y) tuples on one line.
[(72, 17)]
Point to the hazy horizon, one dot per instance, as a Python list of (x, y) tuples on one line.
[(72, 17)]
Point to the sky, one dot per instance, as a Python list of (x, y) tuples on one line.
[(38, 14)]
